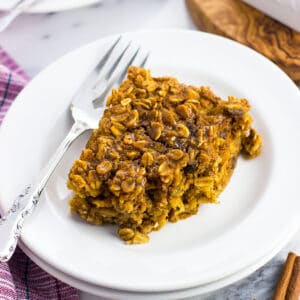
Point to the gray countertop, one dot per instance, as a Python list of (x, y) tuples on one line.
[(37, 40)]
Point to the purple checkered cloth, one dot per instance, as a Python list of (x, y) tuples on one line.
[(21, 278)]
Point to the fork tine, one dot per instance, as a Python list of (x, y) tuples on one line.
[(100, 99), (123, 73), (109, 73), (107, 55), (143, 63)]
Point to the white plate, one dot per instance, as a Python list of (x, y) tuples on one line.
[(258, 209), (45, 6)]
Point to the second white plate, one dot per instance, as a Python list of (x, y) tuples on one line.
[(107, 293)]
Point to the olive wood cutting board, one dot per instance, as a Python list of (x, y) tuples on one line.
[(238, 21)]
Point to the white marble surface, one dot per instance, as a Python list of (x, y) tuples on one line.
[(37, 40)]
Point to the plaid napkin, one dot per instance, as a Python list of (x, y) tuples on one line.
[(21, 278)]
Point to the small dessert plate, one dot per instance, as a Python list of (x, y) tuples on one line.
[(258, 210)]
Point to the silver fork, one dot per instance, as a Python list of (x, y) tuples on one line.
[(86, 111)]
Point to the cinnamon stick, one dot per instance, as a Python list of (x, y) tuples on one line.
[(283, 284), (293, 290)]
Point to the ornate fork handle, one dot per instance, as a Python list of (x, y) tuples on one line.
[(11, 224)]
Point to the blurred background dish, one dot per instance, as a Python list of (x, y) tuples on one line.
[(285, 11), (46, 6)]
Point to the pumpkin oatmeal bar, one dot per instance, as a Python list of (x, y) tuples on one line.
[(162, 148)]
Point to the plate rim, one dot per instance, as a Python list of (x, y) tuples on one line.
[(194, 291)]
